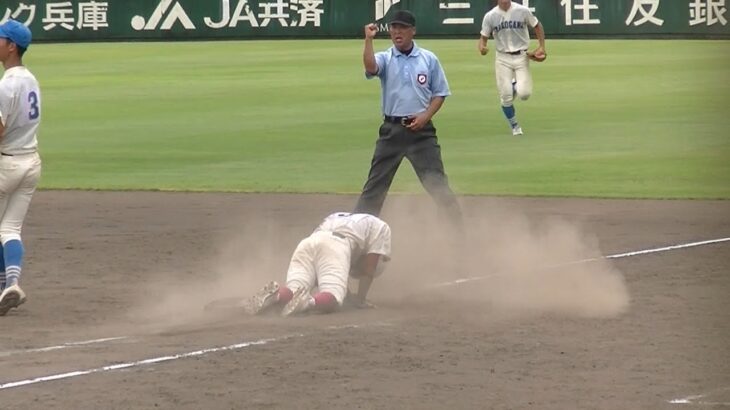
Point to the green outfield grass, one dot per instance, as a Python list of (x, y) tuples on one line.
[(644, 119)]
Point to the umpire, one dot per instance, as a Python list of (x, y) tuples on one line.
[(414, 88)]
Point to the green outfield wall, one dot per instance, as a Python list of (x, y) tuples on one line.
[(241, 19)]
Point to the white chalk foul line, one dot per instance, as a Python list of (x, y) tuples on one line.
[(62, 346), (614, 256), (162, 359), (695, 399), (667, 248), (60, 376), (703, 403), (686, 400)]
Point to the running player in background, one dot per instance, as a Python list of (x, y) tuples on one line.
[(508, 24)]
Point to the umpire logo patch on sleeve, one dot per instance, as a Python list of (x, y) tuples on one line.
[(422, 78)]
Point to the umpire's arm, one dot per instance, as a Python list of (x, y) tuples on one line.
[(368, 53)]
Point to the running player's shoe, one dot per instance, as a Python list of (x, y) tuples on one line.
[(12, 297), (263, 299), (517, 130), (301, 301)]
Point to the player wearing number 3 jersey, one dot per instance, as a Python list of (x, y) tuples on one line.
[(20, 165)]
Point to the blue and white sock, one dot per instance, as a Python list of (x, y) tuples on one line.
[(13, 256), (2, 269), (509, 112)]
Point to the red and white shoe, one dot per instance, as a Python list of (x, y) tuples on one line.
[(263, 299), (300, 303)]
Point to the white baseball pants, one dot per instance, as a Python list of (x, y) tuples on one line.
[(19, 175), (508, 67), (321, 259)]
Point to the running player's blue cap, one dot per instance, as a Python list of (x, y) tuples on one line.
[(16, 32)]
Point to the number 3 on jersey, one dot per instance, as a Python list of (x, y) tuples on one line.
[(35, 110)]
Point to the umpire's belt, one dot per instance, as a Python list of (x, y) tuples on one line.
[(513, 53), (398, 120)]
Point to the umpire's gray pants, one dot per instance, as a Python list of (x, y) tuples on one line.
[(424, 153)]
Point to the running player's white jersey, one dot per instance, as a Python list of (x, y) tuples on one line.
[(509, 28), (368, 233), (20, 111)]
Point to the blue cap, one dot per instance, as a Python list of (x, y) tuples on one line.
[(16, 32)]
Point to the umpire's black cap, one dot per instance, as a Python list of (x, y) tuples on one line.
[(404, 17)]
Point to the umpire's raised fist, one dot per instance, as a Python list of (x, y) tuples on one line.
[(370, 30)]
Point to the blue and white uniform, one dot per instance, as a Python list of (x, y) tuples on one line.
[(510, 30), (20, 165)]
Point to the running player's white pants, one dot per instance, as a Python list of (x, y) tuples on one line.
[(508, 67), (19, 176), (321, 259)]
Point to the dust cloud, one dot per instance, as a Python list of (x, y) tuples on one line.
[(503, 261), (242, 264)]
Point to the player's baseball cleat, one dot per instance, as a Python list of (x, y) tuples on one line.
[(517, 130), (264, 298), (12, 297), (301, 301)]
